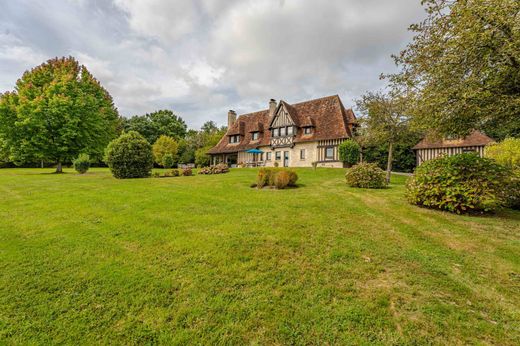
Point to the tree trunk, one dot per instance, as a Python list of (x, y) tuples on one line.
[(389, 163), (59, 168)]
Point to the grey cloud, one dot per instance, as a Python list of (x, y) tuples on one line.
[(201, 58)]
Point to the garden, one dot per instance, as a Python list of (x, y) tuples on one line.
[(206, 259)]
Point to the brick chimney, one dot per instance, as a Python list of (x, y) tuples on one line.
[(231, 118), (272, 107)]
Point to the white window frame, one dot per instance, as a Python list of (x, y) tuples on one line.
[(307, 130), (302, 154), (255, 136), (278, 155), (268, 156)]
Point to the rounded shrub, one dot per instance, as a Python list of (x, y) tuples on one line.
[(463, 183), (129, 156), (366, 175), (82, 163), (349, 152), (282, 179)]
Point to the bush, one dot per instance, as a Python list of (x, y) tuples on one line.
[(506, 153), (279, 178), (168, 160), (82, 163), (187, 172), (282, 179), (162, 147), (366, 175), (217, 169), (129, 156), (463, 183), (349, 152), (175, 173)]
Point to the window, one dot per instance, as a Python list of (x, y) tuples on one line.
[(290, 131), (276, 132), (329, 153), (278, 155), (302, 154), (307, 130), (234, 139), (282, 131), (254, 136), (268, 156)]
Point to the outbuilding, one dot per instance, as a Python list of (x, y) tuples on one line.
[(428, 149)]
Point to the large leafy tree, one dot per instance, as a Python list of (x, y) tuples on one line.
[(153, 125), (197, 143), (57, 111), (462, 68), (384, 121)]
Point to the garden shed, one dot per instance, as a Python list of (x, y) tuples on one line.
[(428, 149)]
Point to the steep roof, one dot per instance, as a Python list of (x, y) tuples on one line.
[(327, 114), (475, 138)]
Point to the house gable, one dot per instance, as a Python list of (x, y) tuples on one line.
[(282, 117)]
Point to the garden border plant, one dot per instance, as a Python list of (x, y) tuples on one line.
[(462, 183)]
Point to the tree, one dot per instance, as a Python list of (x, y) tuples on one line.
[(349, 152), (385, 121), (164, 146), (57, 111), (129, 156), (506, 153), (462, 68), (153, 125), (206, 138)]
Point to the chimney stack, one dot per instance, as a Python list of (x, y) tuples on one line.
[(231, 118), (272, 107)]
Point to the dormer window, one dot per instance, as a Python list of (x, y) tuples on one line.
[(307, 130), (234, 139), (282, 131), (255, 136), (290, 131)]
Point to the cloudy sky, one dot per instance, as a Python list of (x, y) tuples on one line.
[(203, 57)]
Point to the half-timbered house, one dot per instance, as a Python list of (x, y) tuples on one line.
[(288, 135)]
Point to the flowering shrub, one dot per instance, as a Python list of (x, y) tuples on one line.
[(463, 183), (187, 172), (366, 175), (217, 169)]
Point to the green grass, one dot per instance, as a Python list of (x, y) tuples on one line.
[(208, 260)]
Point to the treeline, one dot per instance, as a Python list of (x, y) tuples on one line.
[(59, 111)]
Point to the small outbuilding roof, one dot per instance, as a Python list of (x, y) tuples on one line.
[(474, 139)]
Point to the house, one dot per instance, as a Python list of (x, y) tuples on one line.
[(428, 149), (288, 135)]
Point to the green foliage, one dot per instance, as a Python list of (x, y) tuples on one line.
[(165, 146), (366, 175), (216, 169), (57, 111), (462, 68), (201, 157), (349, 152), (506, 153), (463, 183), (168, 161), (153, 125), (403, 157), (129, 156), (279, 178), (82, 163)]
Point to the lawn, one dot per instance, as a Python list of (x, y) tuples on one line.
[(208, 260)]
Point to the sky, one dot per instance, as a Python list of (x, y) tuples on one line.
[(201, 58)]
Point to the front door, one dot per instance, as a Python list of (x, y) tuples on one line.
[(286, 159)]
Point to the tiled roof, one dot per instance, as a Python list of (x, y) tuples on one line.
[(474, 139), (327, 114)]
